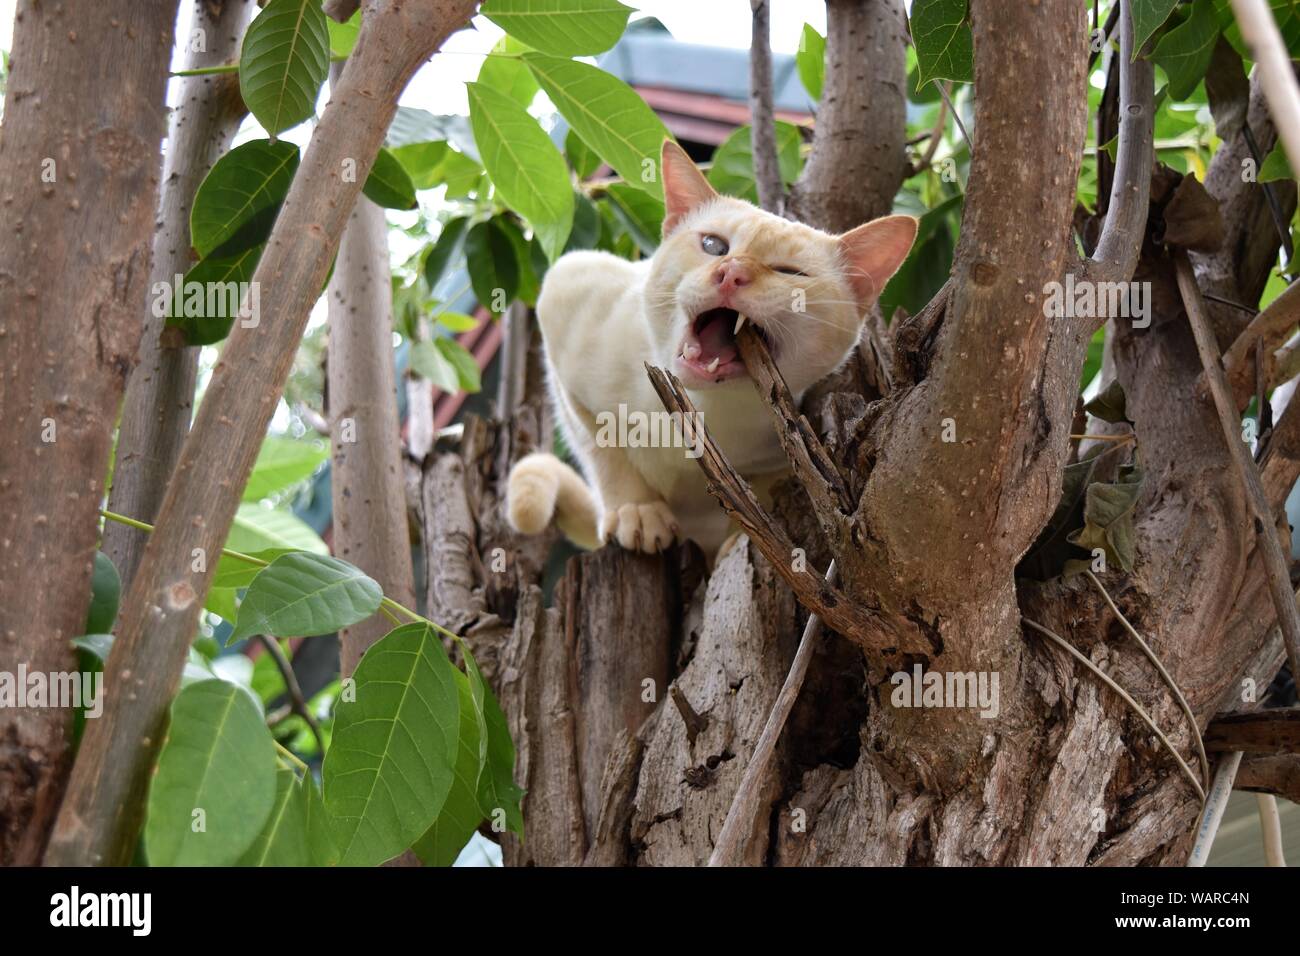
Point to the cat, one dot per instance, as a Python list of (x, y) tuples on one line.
[(603, 317)]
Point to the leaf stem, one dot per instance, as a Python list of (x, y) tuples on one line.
[(290, 756)]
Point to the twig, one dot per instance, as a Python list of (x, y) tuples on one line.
[(1269, 327), (1276, 566), (1164, 674), (947, 101), (1270, 827), (1137, 708), (1120, 242), (1212, 813), (767, 167), (1270, 195), (935, 136), (290, 756), (296, 699), (740, 816)]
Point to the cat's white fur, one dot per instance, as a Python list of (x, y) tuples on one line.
[(603, 317)]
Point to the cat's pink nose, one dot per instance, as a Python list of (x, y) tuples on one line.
[(730, 276)]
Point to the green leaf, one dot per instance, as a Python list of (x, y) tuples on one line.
[(105, 592), (283, 840), (343, 36), (320, 838), (1148, 16), (214, 785), (1108, 518), (233, 573), (257, 528), (561, 27), (1275, 166), (237, 202), (493, 269), (390, 765), (467, 370), (528, 171), (608, 114), (422, 162), (389, 184), (640, 213), (1047, 557), (732, 171), (460, 814), (1184, 52), (428, 362), (284, 62), (456, 321), (529, 256), (461, 174), (811, 61), (582, 159), (302, 595), (450, 244), (942, 38), (1109, 406), (282, 463), (504, 72), (498, 794), (214, 291)]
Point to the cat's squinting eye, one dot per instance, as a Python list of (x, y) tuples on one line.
[(714, 245), (789, 270)]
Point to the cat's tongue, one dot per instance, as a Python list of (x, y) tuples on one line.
[(716, 338)]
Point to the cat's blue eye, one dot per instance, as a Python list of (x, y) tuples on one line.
[(714, 245)]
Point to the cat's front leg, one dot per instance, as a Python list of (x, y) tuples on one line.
[(634, 515)]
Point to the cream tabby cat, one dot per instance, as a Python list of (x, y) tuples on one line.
[(602, 317)]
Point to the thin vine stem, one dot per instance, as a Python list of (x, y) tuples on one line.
[(290, 756), (1164, 674), (1137, 708)]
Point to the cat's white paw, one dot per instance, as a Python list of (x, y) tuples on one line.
[(649, 528)]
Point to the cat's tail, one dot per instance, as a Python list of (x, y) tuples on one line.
[(542, 487)]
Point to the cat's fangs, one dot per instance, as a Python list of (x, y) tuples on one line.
[(740, 321)]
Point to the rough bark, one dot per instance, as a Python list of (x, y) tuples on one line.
[(859, 152), (79, 160), (370, 527), (160, 392), (101, 812)]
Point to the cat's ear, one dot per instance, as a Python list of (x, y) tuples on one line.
[(685, 187), (874, 251)]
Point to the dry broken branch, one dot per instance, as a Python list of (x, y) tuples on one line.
[(1275, 732), (850, 618), (1275, 563), (1269, 329)]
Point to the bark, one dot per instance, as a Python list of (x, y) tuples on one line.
[(859, 152), (370, 528), (79, 162), (160, 392), (101, 812), (767, 168)]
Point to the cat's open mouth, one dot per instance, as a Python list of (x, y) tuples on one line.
[(709, 348)]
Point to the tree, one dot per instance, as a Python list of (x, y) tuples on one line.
[(987, 620)]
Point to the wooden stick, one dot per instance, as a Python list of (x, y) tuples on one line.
[(1276, 566), (767, 168)]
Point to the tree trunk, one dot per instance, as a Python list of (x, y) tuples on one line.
[(79, 162), (370, 529), (160, 391)]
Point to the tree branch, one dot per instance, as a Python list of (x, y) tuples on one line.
[(1278, 775), (841, 612), (1274, 63), (160, 392), (100, 815), (1270, 329), (767, 168), (1120, 242), (859, 154), (1274, 732), (1275, 563)]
